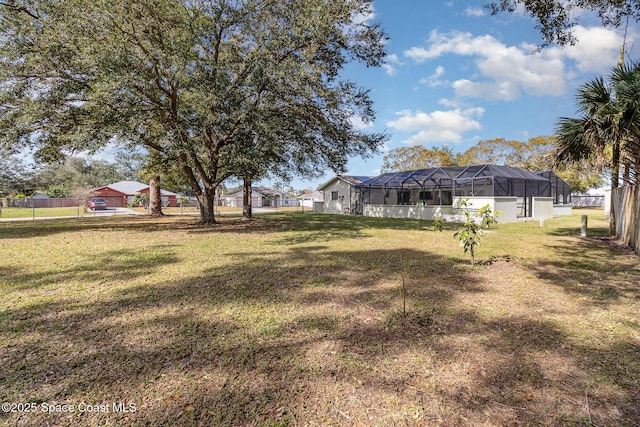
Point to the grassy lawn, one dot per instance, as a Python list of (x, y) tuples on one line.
[(297, 320), (192, 210), (39, 212)]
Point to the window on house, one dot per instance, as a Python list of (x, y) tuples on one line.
[(334, 195)]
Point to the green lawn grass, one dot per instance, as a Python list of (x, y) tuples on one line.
[(297, 320), (193, 210), (39, 212)]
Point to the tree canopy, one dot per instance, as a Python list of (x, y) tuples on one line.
[(194, 81), (608, 130), (418, 157), (556, 18), (16, 177)]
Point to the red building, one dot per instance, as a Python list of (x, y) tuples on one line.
[(121, 194)]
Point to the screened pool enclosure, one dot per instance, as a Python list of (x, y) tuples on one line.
[(500, 186)]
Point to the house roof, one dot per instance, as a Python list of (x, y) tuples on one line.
[(269, 191), (316, 195), (355, 180), (265, 191), (459, 174), (131, 188), (349, 179)]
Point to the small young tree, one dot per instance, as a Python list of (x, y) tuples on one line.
[(487, 216), (469, 233)]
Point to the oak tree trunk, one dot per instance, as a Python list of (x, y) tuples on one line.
[(155, 201), (246, 199), (206, 200)]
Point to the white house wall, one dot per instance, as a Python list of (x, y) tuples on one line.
[(405, 211), (542, 207), (509, 208), (345, 195), (236, 202)]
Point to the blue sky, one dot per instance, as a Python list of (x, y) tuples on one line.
[(456, 75)]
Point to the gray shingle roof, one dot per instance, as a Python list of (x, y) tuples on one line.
[(131, 188), (127, 187)]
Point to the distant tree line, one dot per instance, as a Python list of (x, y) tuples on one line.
[(66, 177), (17, 177), (536, 154)]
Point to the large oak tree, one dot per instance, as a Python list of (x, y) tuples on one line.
[(189, 80), (556, 18)]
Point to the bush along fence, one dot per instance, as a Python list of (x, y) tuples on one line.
[(626, 203)]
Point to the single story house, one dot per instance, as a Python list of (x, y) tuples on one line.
[(260, 197), (341, 195), (121, 194), (430, 193)]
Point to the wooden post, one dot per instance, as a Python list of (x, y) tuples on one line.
[(583, 226)]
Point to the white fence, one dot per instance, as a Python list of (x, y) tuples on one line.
[(626, 204), (584, 201)]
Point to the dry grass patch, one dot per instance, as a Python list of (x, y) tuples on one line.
[(297, 320)]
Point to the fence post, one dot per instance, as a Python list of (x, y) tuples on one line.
[(583, 226)]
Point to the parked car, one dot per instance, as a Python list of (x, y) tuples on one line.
[(97, 204)]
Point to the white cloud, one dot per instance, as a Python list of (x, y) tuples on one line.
[(474, 11), (451, 103), (393, 59), (505, 91), (433, 79), (358, 123), (388, 68), (437, 126), (505, 72), (596, 49), (364, 15)]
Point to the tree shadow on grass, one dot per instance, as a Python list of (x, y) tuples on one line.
[(122, 264), (593, 269), (234, 321), (591, 231), (313, 228), (304, 335), (295, 227), (30, 229)]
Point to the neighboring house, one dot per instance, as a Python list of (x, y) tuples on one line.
[(340, 195), (307, 200), (122, 193), (260, 196)]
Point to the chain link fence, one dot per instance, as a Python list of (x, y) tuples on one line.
[(15, 209)]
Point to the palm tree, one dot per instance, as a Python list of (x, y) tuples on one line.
[(626, 81), (608, 131)]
